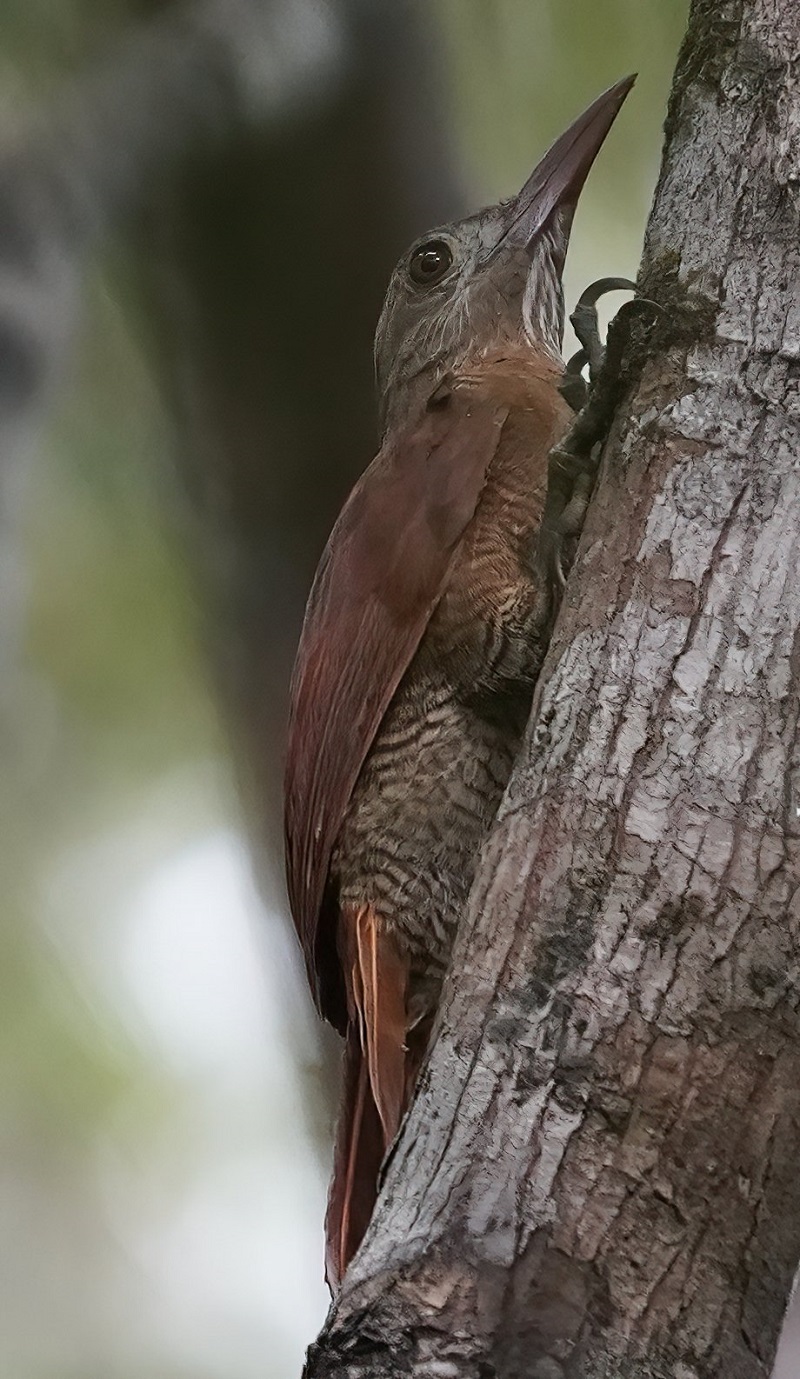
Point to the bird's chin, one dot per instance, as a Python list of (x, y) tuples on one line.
[(543, 302)]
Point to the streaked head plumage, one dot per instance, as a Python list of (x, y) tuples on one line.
[(491, 278)]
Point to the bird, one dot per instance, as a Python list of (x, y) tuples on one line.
[(424, 633)]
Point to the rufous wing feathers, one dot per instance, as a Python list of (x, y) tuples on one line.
[(381, 576)]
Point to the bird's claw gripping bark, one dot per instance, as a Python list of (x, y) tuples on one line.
[(586, 326), (573, 462)]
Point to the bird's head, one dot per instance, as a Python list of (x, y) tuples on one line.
[(494, 277)]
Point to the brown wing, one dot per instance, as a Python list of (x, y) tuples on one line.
[(379, 580)]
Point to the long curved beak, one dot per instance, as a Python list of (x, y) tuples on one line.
[(557, 181)]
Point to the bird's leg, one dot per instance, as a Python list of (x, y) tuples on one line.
[(573, 462)]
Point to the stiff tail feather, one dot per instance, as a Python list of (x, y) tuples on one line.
[(357, 1159), (376, 1080)]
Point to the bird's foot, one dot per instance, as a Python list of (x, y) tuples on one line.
[(573, 462), (585, 323)]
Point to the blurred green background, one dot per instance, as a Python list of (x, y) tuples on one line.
[(164, 1097)]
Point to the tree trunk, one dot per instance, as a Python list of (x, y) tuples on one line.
[(599, 1174)]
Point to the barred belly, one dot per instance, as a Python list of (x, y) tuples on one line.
[(423, 804)]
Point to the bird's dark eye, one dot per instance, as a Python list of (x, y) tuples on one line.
[(430, 262)]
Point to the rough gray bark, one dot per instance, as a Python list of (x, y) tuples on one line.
[(599, 1174)]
